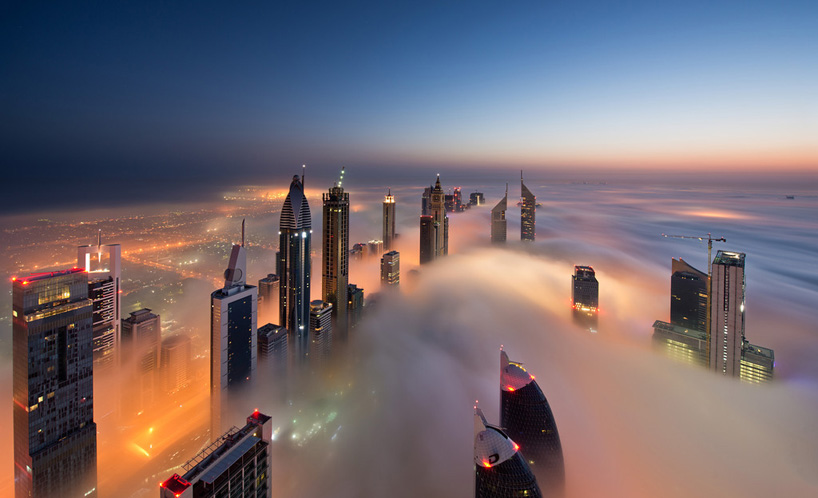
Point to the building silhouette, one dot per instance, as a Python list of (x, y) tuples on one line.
[(476, 199), (104, 266), (585, 297), (688, 296), (727, 313), (294, 272), (174, 363), (320, 331), (335, 269), (233, 321), (427, 239), (55, 437), (527, 212), (390, 269), (139, 359), (268, 288), (389, 221), (237, 464), (500, 470), (498, 220), (527, 418), (355, 305)]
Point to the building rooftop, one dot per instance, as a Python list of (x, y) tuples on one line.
[(33, 277), (765, 352), (669, 327), (729, 258)]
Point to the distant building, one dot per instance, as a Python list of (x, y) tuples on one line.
[(499, 468), (358, 251), (427, 239), (527, 212), (355, 304), (757, 363), (320, 330), (441, 221), (585, 297), (426, 202), (389, 221), (139, 359), (688, 296), (104, 266), (498, 220), (237, 464), (294, 273), (268, 296), (374, 248), (458, 199), (233, 339), (272, 344), (390, 269), (682, 344), (476, 199), (174, 363), (727, 313), (527, 418), (55, 437)]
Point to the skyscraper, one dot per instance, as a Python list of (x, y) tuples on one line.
[(500, 469), (476, 199), (427, 239), (498, 220), (139, 359), (336, 255), (527, 212), (294, 275), (355, 305), (237, 464), (233, 339), (388, 221), (268, 297), (320, 330), (55, 437), (426, 201), (390, 269), (374, 248), (727, 313), (757, 363), (688, 296), (527, 417), (441, 220), (174, 363), (680, 343), (585, 297), (104, 266)]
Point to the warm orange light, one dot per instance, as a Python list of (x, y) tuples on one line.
[(516, 446), (509, 388), (13, 279), (486, 463)]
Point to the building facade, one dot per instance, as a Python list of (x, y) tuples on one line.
[(139, 359), (441, 220), (389, 221), (498, 220), (682, 344), (320, 330), (55, 437), (427, 239), (585, 297), (355, 305), (268, 288), (335, 276), (390, 269), (104, 266), (174, 363), (727, 313), (688, 296), (527, 212)]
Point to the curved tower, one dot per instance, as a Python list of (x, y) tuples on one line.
[(500, 469), (527, 417), (294, 246)]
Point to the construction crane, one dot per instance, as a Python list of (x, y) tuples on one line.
[(710, 241)]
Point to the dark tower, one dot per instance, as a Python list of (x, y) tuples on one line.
[(427, 239), (529, 206), (294, 272), (335, 271), (688, 296), (389, 222), (527, 417), (498, 220), (500, 469)]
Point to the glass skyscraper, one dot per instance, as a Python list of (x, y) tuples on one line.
[(389, 221), (527, 212), (335, 267), (498, 219), (688, 296)]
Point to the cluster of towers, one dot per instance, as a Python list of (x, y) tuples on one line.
[(528, 207), (523, 455)]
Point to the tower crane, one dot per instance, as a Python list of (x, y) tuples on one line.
[(710, 241)]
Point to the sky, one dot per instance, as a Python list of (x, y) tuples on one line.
[(112, 94)]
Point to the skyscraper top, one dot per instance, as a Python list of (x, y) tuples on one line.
[(295, 215), (729, 258), (437, 183), (491, 445), (512, 375), (524, 192)]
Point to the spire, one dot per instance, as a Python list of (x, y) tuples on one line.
[(388, 191), (99, 238), (437, 183), (506, 190), (242, 232), (341, 179), (303, 174)]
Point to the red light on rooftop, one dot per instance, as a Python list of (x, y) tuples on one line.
[(486, 463), (510, 388), (516, 446), (13, 279), (25, 282)]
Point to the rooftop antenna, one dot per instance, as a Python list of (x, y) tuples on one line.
[(303, 174), (99, 238), (506, 189), (242, 232), (341, 179)]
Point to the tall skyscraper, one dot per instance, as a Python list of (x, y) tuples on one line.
[(294, 284), (500, 470), (268, 297), (688, 296), (390, 269), (441, 220), (727, 313), (55, 437), (527, 212), (139, 359), (427, 239), (336, 255), (355, 305), (585, 297), (237, 464), (388, 221), (174, 363), (104, 266), (476, 199), (498, 220), (527, 417), (320, 330), (426, 201), (233, 346)]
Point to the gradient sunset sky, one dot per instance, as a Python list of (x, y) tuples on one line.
[(107, 89)]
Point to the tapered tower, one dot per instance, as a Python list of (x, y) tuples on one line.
[(335, 268), (527, 212)]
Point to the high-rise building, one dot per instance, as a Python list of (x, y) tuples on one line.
[(237, 464), (427, 239), (55, 437), (139, 359), (680, 343), (688, 296), (498, 220), (104, 266), (355, 305), (458, 199), (233, 346), (268, 297), (426, 202), (273, 346), (500, 470), (374, 248), (294, 275), (441, 220), (320, 330), (174, 363), (336, 255), (727, 313), (390, 269), (388, 221), (527, 418), (476, 199), (757, 363), (527, 212), (585, 297)]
